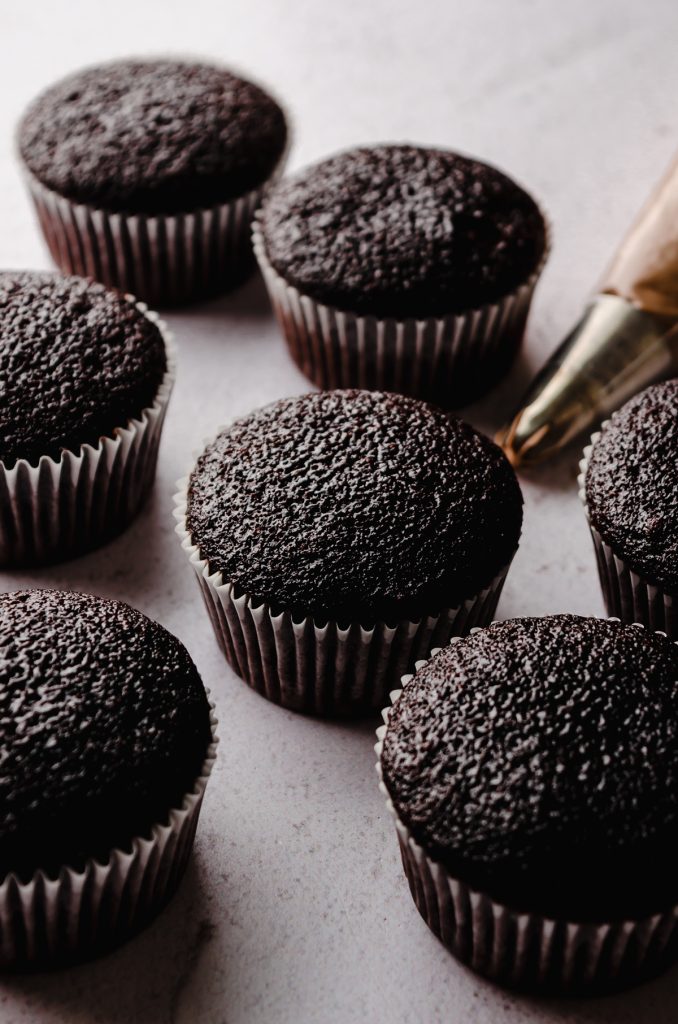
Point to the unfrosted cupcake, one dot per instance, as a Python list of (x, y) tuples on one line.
[(629, 486), (402, 268), (532, 769), (106, 745), (337, 535), (145, 174), (86, 378)]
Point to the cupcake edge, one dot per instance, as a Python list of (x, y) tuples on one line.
[(63, 507), (628, 595), (519, 949), (335, 348), (164, 259), (329, 670), (49, 922)]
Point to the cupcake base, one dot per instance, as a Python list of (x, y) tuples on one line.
[(449, 360), (627, 595), (62, 508), (49, 922), (329, 670), (528, 951), (166, 260)]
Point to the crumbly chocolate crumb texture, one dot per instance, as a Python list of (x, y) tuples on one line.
[(538, 760), (355, 506), (104, 725), (400, 231), (632, 484), (77, 361), (152, 136)]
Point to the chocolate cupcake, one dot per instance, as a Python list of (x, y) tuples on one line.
[(106, 743), (402, 268), (532, 769), (145, 174), (629, 486), (336, 536), (86, 378)]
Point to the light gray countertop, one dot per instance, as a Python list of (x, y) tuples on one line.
[(295, 908)]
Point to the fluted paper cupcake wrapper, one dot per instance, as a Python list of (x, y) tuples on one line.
[(46, 922), (167, 259), (331, 669), (527, 950), (450, 360), (627, 595), (63, 507)]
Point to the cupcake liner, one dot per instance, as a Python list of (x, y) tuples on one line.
[(166, 259), (63, 507), (528, 950), (328, 669), (450, 360), (627, 595), (50, 921)]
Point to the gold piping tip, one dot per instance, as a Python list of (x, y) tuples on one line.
[(615, 351), (522, 448)]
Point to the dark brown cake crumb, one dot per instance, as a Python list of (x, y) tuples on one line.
[(401, 231), (158, 136), (104, 726), (77, 361), (538, 760), (632, 484), (355, 506)]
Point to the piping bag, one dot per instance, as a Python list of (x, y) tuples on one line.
[(626, 339)]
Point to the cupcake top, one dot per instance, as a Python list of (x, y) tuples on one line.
[(77, 361), (632, 484), (538, 761), (104, 726), (402, 231), (192, 136), (354, 506)]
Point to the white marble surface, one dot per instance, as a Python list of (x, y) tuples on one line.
[(295, 909)]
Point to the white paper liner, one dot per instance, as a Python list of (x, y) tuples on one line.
[(51, 921), (166, 259), (627, 595), (65, 506), (450, 360), (526, 950), (330, 670)]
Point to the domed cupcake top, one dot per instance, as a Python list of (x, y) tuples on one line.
[(402, 231), (152, 136), (632, 484), (538, 760), (104, 726), (76, 362), (354, 506)]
